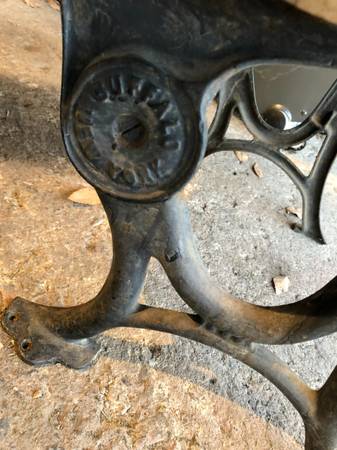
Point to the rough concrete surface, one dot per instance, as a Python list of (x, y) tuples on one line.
[(147, 390)]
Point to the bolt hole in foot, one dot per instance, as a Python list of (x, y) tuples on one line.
[(26, 345), (12, 318)]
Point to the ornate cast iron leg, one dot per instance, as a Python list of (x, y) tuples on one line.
[(134, 97)]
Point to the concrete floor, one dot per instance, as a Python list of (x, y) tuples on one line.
[(148, 390)]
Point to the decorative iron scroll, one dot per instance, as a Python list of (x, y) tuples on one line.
[(133, 107), (269, 142)]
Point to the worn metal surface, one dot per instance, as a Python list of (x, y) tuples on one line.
[(133, 122)]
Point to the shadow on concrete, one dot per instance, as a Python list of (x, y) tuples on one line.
[(29, 124)]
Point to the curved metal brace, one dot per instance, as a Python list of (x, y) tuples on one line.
[(317, 408), (260, 359), (225, 106), (266, 151), (308, 319), (163, 230)]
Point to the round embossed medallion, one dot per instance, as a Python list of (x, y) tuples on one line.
[(132, 132)]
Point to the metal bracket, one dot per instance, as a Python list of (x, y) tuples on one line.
[(134, 98)]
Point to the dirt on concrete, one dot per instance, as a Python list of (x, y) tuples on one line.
[(147, 390)]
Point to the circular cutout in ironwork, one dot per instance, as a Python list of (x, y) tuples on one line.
[(131, 132)]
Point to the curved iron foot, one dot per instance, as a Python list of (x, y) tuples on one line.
[(38, 345), (48, 334)]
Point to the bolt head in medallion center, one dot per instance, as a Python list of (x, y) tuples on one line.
[(128, 130), (131, 131)]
